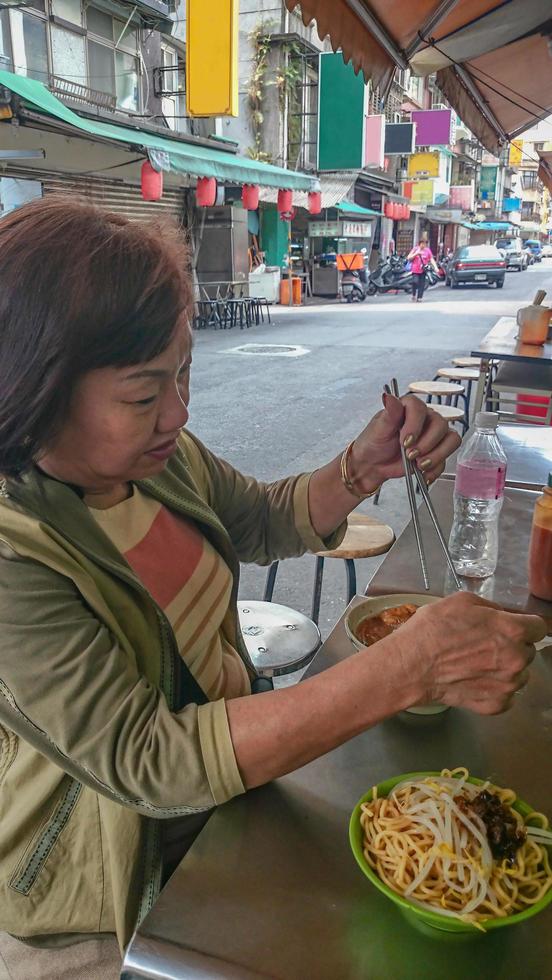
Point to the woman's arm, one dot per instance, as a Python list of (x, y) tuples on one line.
[(479, 666)]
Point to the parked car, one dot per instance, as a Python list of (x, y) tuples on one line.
[(514, 255), (476, 263), (547, 251), (536, 248)]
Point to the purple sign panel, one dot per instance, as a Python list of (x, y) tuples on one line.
[(433, 127)]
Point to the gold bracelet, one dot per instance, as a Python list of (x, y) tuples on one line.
[(346, 479)]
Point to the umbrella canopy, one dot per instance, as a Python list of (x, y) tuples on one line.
[(492, 57), (545, 167)]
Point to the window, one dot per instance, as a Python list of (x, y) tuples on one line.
[(173, 106), (126, 81), (68, 55), (69, 10), (302, 113), (6, 61), (29, 47), (113, 65), (101, 69)]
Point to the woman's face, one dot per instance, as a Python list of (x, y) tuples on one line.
[(124, 422)]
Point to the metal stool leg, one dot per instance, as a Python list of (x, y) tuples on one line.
[(350, 571), (270, 581), (317, 591)]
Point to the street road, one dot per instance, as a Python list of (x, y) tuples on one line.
[(272, 415)]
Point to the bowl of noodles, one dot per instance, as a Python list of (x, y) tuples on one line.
[(458, 855)]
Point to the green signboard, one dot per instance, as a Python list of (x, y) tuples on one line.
[(341, 115), (487, 184)]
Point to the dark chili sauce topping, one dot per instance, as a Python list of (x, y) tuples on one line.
[(505, 836)]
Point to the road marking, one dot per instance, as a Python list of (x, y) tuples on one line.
[(269, 350)]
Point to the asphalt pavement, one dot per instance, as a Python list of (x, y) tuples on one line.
[(314, 377)]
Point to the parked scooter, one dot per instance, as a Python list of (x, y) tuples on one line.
[(390, 275), (353, 285)]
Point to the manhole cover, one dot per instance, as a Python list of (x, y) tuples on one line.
[(269, 350)]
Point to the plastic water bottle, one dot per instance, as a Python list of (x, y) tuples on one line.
[(478, 497)]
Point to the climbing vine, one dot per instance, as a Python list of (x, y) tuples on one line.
[(287, 80), (260, 41)]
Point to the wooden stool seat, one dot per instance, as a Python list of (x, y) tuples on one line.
[(459, 374), (467, 362), (365, 537), (436, 388), (449, 412)]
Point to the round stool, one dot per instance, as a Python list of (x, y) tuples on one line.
[(466, 376), (466, 362), (365, 537), (437, 389), (458, 374), (278, 639), (452, 414)]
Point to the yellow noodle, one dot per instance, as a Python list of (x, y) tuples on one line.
[(397, 848)]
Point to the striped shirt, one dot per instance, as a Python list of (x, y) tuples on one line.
[(189, 581)]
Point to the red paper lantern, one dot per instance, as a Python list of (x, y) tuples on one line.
[(285, 201), (315, 202), (402, 210), (206, 192), (397, 211), (407, 212), (151, 182), (388, 209), (250, 197)]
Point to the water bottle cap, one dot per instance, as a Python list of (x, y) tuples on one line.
[(486, 420)]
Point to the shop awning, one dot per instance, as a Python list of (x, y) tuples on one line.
[(545, 167), (334, 186), (491, 56), (490, 225), (349, 207), (174, 155)]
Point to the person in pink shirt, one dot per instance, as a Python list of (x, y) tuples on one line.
[(421, 257)]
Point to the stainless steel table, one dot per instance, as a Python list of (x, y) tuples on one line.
[(502, 344), (529, 452), (270, 888)]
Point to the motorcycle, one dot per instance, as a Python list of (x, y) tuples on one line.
[(390, 275), (353, 286)]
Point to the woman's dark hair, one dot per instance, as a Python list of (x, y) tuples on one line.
[(80, 288)]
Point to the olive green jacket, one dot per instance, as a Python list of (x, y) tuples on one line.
[(103, 730)]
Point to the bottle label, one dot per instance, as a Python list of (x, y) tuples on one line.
[(480, 481)]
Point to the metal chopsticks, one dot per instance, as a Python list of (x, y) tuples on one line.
[(407, 466), (409, 471)]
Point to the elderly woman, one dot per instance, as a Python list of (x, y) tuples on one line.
[(126, 705)]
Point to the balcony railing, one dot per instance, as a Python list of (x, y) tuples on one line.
[(81, 93)]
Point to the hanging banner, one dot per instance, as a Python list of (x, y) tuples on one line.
[(399, 138), (212, 58), (422, 192), (487, 183), (435, 127), (462, 196), (516, 153), (423, 165), (375, 136)]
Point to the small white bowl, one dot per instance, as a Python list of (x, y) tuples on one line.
[(372, 606)]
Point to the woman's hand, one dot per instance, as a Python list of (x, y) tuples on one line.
[(466, 652), (376, 453)]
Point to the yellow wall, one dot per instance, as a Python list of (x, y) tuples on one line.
[(212, 57)]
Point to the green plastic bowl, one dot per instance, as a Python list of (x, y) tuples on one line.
[(429, 922)]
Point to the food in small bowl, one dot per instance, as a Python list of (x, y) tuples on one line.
[(379, 616), (455, 853)]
